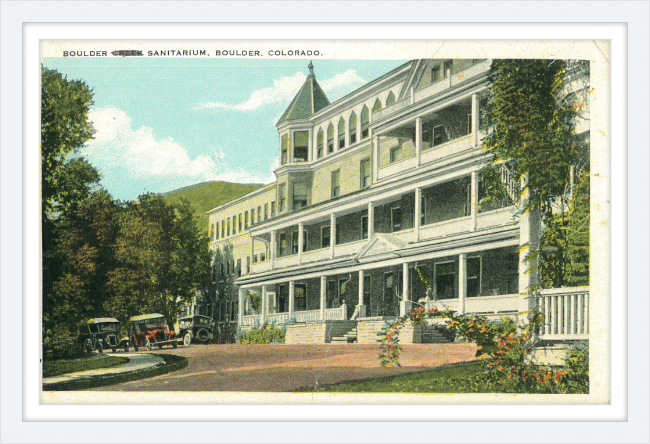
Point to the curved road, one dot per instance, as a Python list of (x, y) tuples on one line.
[(278, 368)]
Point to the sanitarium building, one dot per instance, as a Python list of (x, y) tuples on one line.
[(376, 210)]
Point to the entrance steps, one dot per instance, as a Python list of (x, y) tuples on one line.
[(348, 338)]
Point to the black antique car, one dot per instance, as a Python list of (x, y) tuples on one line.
[(196, 328), (102, 333)]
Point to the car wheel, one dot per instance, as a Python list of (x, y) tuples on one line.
[(175, 343), (135, 344), (114, 349), (100, 347), (187, 339), (203, 335), (148, 344)]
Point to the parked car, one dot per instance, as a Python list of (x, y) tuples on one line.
[(151, 329), (101, 333), (196, 328)]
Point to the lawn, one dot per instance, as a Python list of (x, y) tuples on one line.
[(62, 366), (448, 379)]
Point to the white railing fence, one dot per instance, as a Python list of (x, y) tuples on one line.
[(566, 311), (331, 314)]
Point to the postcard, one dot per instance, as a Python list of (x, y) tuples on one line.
[(325, 222)]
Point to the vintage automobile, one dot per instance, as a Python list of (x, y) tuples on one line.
[(196, 328), (151, 329), (101, 333)]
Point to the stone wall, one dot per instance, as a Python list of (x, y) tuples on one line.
[(368, 328), (317, 332)]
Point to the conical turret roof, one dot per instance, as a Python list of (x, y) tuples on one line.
[(309, 100)]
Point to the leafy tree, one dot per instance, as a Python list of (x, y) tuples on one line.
[(578, 233)]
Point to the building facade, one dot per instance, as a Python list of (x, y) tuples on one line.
[(375, 210)]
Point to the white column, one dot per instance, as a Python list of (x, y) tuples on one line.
[(405, 304), (475, 117), (265, 304), (418, 140), (361, 307), (371, 220), (292, 298), (529, 226), (301, 240), (242, 301), (418, 213), (462, 282), (474, 200), (323, 296), (332, 234), (274, 248)]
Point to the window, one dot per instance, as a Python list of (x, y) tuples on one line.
[(330, 139), (341, 133), (423, 209), (300, 297), (439, 135), (473, 276), (273, 209), (319, 143), (445, 278), (377, 106), (238, 269), (222, 271), (300, 195), (439, 72), (228, 227), (212, 231), (336, 185), (300, 146), (248, 264), (217, 230), (395, 153), (353, 128), (364, 226), (282, 197), (234, 225), (255, 259), (252, 217), (266, 211), (366, 174), (283, 244), (285, 150), (245, 220), (469, 123), (390, 100), (325, 237), (259, 214), (239, 222), (262, 257), (294, 242), (396, 219), (223, 228), (228, 268), (365, 123), (337, 236)]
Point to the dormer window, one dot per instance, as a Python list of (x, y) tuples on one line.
[(285, 150), (341, 133), (330, 139), (390, 100), (353, 128), (300, 146), (365, 123), (320, 143)]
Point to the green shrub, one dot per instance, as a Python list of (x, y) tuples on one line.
[(266, 334)]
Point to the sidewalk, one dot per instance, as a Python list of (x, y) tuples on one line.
[(137, 362)]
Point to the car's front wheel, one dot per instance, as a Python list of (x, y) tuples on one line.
[(148, 344), (175, 343), (100, 347), (135, 344), (187, 339), (203, 335)]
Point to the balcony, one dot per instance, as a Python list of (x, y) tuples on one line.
[(451, 148)]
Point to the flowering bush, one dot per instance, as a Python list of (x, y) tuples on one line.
[(266, 334)]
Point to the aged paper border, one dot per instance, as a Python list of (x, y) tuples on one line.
[(604, 433)]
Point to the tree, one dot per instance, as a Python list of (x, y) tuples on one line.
[(531, 134)]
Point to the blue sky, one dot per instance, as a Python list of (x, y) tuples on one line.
[(165, 123)]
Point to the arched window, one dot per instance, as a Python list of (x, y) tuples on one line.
[(353, 128), (320, 143), (285, 149), (341, 133), (390, 100), (330, 139), (377, 106), (365, 122)]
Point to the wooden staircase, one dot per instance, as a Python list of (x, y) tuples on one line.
[(348, 338)]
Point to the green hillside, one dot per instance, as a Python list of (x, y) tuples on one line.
[(207, 195)]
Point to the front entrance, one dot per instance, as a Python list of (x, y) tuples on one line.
[(390, 303)]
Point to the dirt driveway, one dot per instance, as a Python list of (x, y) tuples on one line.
[(278, 368)]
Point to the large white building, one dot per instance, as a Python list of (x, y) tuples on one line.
[(376, 209)]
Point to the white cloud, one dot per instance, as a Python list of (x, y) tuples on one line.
[(285, 88), (118, 150)]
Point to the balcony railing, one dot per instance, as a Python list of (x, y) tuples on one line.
[(451, 148), (566, 311), (331, 314)]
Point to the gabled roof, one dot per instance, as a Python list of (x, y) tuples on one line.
[(309, 100)]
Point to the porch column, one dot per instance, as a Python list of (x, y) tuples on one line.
[(371, 220), (418, 140), (462, 282), (418, 213), (361, 307), (323, 296), (529, 226), (273, 248), (265, 304), (474, 200), (292, 300), (301, 241), (405, 304), (241, 302), (475, 121), (332, 234)]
